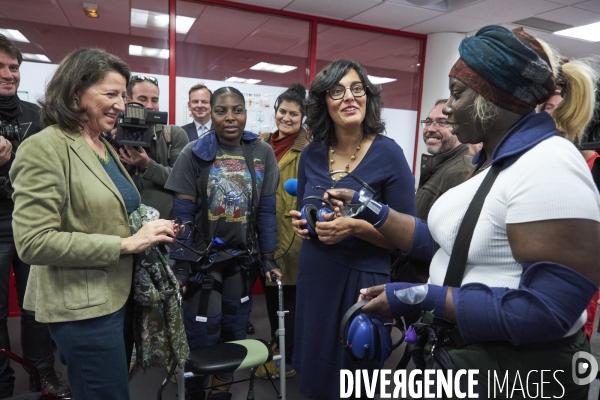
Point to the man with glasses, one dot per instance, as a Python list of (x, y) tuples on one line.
[(151, 167), (447, 165), (199, 106)]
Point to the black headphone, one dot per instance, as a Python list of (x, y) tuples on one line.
[(365, 338), (312, 214)]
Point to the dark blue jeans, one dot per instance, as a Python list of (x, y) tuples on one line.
[(36, 342), (94, 352)]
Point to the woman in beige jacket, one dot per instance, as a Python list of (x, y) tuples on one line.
[(72, 200)]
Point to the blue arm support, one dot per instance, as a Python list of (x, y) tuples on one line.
[(267, 224), (549, 300)]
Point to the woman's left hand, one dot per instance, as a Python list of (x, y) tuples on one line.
[(378, 304), (336, 230)]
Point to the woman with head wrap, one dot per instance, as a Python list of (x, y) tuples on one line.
[(515, 304)]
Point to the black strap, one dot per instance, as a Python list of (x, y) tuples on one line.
[(460, 250), (252, 224), (167, 137), (203, 185), (209, 283)]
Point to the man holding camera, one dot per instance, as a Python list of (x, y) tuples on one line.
[(150, 166), (18, 120)]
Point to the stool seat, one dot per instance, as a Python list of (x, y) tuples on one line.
[(229, 357)]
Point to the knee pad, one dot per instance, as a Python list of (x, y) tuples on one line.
[(201, 333), (235, 318)]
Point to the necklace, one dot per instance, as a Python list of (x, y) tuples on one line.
[(347, 167)]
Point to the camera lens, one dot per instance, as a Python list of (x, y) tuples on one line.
[(134, 135)]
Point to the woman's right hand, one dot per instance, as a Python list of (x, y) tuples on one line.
[(299, 224), (153, 232)]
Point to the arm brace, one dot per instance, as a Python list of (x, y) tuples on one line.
[(549, 300), (374, 213), (409, 299), (423, 246), (267, 224), (183, 209)]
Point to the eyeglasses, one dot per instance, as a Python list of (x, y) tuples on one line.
[(442, 123), (142, 78), (338, 92)]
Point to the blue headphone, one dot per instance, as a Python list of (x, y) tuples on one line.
[(365, 338), (312, 214)]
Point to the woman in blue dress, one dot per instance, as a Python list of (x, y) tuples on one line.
[(344, 118)]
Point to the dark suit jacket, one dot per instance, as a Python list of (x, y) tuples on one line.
[(191, 131)]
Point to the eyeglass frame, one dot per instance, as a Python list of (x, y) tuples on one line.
[(365, 87), (142, 78), (444, 124)]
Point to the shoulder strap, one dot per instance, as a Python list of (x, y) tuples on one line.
[(251, 225), (202, 183), (460, 250), (167, 137)]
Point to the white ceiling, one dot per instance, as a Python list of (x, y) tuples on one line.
[(402, 15)]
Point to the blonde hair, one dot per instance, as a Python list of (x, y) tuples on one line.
[(575, 112)]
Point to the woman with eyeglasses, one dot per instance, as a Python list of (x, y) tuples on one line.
[(72, 201), (344, 119), (514, 249)]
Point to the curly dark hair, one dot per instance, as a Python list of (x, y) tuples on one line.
[(9, 48), (319, 121), (296, 94), (77, 72)]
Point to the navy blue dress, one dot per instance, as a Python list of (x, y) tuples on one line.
[(330, 276)]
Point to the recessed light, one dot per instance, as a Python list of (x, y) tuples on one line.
[(378, 80), (590, 33), (280, 69), (15, 35), (91, 10), (150, 19), (35, 57), (242, 80), (142, 51)]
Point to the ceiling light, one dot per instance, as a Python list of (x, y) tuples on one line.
[(91, 10), (378, 80), (242, 80), (35, 57), (148, 52), (280, 69), (14, 35), (590, 33), (151, 19)]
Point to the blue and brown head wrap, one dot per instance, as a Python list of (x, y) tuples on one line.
[(510, 69)]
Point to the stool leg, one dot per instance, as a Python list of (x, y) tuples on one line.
[(181, 382)]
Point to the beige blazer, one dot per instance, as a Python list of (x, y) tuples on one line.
[(68, 222)]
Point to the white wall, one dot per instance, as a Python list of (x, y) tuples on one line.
[(440, 56)]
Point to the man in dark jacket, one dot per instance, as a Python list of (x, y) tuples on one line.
[(447, 165), (18, 120)]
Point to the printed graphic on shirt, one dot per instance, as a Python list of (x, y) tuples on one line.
[(230, 188)]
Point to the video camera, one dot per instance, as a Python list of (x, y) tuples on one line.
[(10, 129), (135, 125)]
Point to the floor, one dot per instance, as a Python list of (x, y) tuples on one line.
[(144, 385)]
